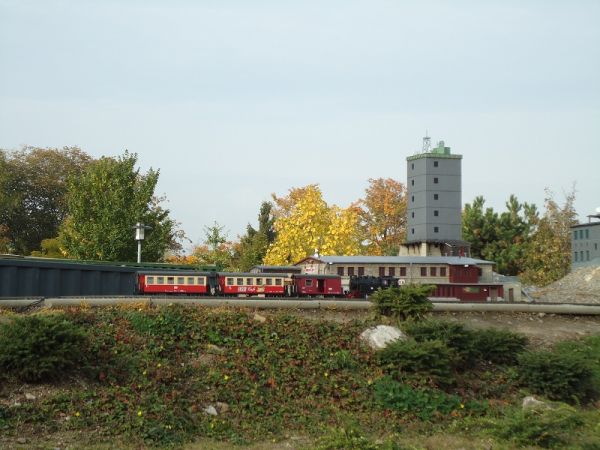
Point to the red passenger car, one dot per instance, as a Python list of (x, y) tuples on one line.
[(308, 285), (247, 284), (181, 282)]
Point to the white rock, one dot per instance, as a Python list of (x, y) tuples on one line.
[(210, 410), (29, 396), (380, 336), (222, 407), (257, 317), (531, 403)]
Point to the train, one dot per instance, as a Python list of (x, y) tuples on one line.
[(241, 284)]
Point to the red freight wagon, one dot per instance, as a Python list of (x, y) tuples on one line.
[(244, 284), (180, 282), (318, 285)]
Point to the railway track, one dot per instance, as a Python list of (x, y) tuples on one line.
[(296, 303)]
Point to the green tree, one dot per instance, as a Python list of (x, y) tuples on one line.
[(502, 238), (253, 246), (549, 255), (33, 187), (216, 249), (105, 202)]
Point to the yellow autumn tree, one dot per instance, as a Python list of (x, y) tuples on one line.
[(384, 216), (305, 223)]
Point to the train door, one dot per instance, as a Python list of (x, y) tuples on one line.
[(321, 286)]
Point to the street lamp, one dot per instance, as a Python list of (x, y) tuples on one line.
[(140, 229)]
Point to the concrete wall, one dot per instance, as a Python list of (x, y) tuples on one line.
[(585, 244)]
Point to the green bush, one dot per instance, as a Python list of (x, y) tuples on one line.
[(559, 375), (470, 346), (427, 361), (41, 347), (352, 439), (498, 346), (549, 428), (407, 302)]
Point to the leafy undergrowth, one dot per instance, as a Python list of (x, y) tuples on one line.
[(153, 376)]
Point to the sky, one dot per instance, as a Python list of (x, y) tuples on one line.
[(236, 100)]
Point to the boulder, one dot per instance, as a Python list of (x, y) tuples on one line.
[(380, 336), (210, 410), (258, 318), (530, 403)]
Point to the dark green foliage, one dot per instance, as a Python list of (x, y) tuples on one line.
[(41, 347), (352, 439), (549, 428), (424, 362), (423, 403), (407, 302), (470, 346), (559, 375), (498, 346)]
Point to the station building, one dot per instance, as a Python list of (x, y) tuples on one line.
[(585, 242)]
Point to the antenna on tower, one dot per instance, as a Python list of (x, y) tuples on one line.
[(426, 142)]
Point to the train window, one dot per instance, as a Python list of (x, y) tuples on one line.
[(259, 281), (229, 281), (249, 281), (150, 280), (269, 281), (160, 280), (180, 280), (170, 280), (277, 281), (308, 283), (190, 280), (201, 281), (240, 281)]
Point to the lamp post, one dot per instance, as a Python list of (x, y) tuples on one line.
[(140, 230)]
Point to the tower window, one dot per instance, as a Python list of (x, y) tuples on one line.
[(412, 182), (435, 196), (435, 180), (412, 214), (436, 229), (412, 231), (436, 213), (435, 164), (412, 166), (412, 198)]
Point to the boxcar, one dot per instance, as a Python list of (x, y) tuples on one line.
[(308, 285)]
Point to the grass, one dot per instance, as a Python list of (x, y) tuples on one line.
[(152, 372)]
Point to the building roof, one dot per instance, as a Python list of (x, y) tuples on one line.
[(283, 268), (589, 224), (451, 260)]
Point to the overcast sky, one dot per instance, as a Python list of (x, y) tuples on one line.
[(234, 100)]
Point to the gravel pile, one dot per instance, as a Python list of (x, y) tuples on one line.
[(580, 286)]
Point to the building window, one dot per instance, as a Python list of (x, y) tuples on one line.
[(361, 271), (436, 229), (581, 255), (442, 271), (412, 231), (587, 234), (435, 180), (433, 271), (435, 164), (412, 214), (575, 254), (340, 271), (392, 271), (423, 271), (412, 166), (436, 213), (382, 271), (587, 255), (595, 246), (402, 271), (350, 271), (435, 196), (575, 235), (412, 198), (412, 182), (580, 234)]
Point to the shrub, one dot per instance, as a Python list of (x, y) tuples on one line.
[(558, 375), (545, 428), (419, 361), (498, 346), (41, 347), (470, 346), (352, 439), (407, 302)]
